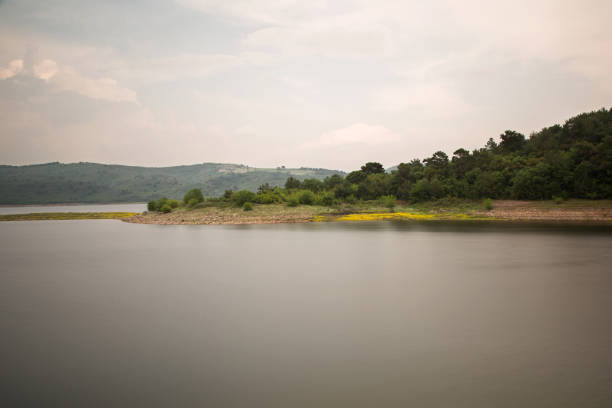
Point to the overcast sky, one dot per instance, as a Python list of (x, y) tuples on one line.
[(298, 83)]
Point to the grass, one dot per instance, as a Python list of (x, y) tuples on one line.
[(67, 216)]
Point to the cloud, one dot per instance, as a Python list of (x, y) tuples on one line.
[(45, 69), (355, 134), (259, 11), (67, 79), (14, 67), (424, 98)]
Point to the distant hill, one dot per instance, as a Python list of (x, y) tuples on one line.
[(96, 183)]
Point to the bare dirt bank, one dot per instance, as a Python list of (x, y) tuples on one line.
[(261, 214), (572, 211)]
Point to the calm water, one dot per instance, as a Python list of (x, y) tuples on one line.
[(104, 313), (25, 209)]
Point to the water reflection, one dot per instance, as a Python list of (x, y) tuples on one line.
[(326, 314)]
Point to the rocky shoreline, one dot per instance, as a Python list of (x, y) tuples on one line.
[(503, 210)]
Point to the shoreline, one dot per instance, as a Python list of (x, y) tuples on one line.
[(68, 204), (570, 212), (574, 212)]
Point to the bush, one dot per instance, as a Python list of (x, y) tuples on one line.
[(265, 198), (227, 195), (306, 197), (173, 203), (194, 194), (557, 200), (388, 201), (351, 199), (152, 205), (192, 203), (293, 200), (487, 203), (247, 206), (242, 196), (292, 182), (327, 199), (165, 208)]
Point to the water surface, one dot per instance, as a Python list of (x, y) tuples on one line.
[(389, 314), (117, 207)]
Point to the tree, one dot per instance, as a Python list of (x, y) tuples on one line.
[(292, 183), (306, 197), (193, 194), (264, 188), (332, 181), (374, 186), (372, 168), (356, 177), (242, 196), (312, 184), (511, 141)]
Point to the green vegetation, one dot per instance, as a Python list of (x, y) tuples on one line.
[(100, 183), (247, 206), (560, 162)]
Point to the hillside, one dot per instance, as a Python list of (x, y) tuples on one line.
[(96, 183)]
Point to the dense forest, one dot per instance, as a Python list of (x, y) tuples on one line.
[(98, 183), (569, 161), (560, 162)]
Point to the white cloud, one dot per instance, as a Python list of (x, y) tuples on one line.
[(424, 98), (355, 134), (45, 69), (259, 11), (14, 67), (67, 79)]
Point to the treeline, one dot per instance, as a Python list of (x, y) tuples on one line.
[(569, 161)]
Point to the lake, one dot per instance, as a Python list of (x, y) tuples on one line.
[(382, 314), (26, 209)]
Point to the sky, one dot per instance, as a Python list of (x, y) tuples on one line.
[(266, 83)]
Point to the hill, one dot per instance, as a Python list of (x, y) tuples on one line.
[(96, 183)]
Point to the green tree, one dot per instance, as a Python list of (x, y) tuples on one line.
[(372, 168), (242, 196), (194, 194), (306, 197), (292, 183)]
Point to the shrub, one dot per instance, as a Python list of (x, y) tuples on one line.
[(292, 182), (265, 198), (152, 205), (312, 184), (192, 203), (557, 200), (194, 194), (165, 208), (227, 195), (242, 196), (306, 197), (293, 200), (327, 199), (173, 203), (487, 204), (351, 199), (388, 201), (247, 206)]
